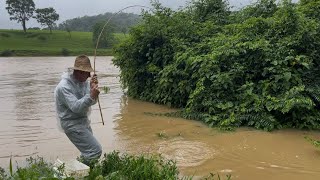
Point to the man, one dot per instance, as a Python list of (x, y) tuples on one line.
[(73, 97)]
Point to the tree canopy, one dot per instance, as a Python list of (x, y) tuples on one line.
[(47, 17), (20, 11), (106, 39)]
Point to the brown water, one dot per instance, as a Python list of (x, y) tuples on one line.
[(28, 127)]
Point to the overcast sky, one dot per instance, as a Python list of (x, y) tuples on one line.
[(68, 9)]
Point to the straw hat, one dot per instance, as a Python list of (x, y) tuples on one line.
[(82, 63)]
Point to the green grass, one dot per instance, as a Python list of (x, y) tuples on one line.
[(113, 166), (42, 43)]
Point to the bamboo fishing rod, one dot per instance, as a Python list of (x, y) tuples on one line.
[(95, 50)]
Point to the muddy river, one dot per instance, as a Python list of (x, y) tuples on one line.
[(28, 128)]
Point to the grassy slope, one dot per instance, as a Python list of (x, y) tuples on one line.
[(31, 44)]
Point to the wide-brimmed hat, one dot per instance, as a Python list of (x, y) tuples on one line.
[(82, 63)]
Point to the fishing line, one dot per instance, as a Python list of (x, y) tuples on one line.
[(95, 50)]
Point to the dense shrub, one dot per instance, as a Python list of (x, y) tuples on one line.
[(32, 35), (3, 174), (6, 53), (114, 166), (36, 168), (117, 166), (65, 52), (42, 38), (6, 35), (259, 67)]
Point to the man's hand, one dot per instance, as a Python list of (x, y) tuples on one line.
[(94, 92), (94, 80), (94, 88)]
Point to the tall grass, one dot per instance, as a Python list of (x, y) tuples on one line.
[(113, 166), (116, 166)]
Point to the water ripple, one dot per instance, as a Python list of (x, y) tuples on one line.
[(186, 153)]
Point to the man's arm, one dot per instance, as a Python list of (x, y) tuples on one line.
[(74, 104)]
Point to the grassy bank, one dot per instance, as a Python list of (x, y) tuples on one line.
[(42, 43), (113, 166)]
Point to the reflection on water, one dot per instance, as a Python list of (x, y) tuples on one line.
[(28, 127)]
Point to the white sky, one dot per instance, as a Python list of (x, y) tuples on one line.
[(68, 9)]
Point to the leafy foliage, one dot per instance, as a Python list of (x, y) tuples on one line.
[(5, 35), (117, 166), (113, 166), (3, 174), (261, 8), (20, 11), (37, 168), (258, 66), (47, 17), (107, 38), (213, 10), (6, 53), (65, 52)]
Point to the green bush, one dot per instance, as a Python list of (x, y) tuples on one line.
[(32, 35), (3, 174), (6, 35), (116, 166), (113, 166), (65, 52), (42, 38), (36, 168), (257, 68), (6, 53)]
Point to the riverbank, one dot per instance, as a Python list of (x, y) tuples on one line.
[(29, 128), (111, 166), (42, 43)]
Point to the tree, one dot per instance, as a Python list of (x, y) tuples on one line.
[(124, 30), (107, 38), (20, 10), (69, 31), (47, 17), (213, 10)]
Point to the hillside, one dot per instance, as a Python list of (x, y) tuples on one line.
[(42, 43), (119, 22)]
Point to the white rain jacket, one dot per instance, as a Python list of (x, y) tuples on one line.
[(73, 103)]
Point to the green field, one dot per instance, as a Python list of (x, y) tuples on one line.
[(42, 43)]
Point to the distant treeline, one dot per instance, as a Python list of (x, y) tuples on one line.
[(120, 22)]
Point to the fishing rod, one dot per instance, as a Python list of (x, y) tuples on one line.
[(95, 50)]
